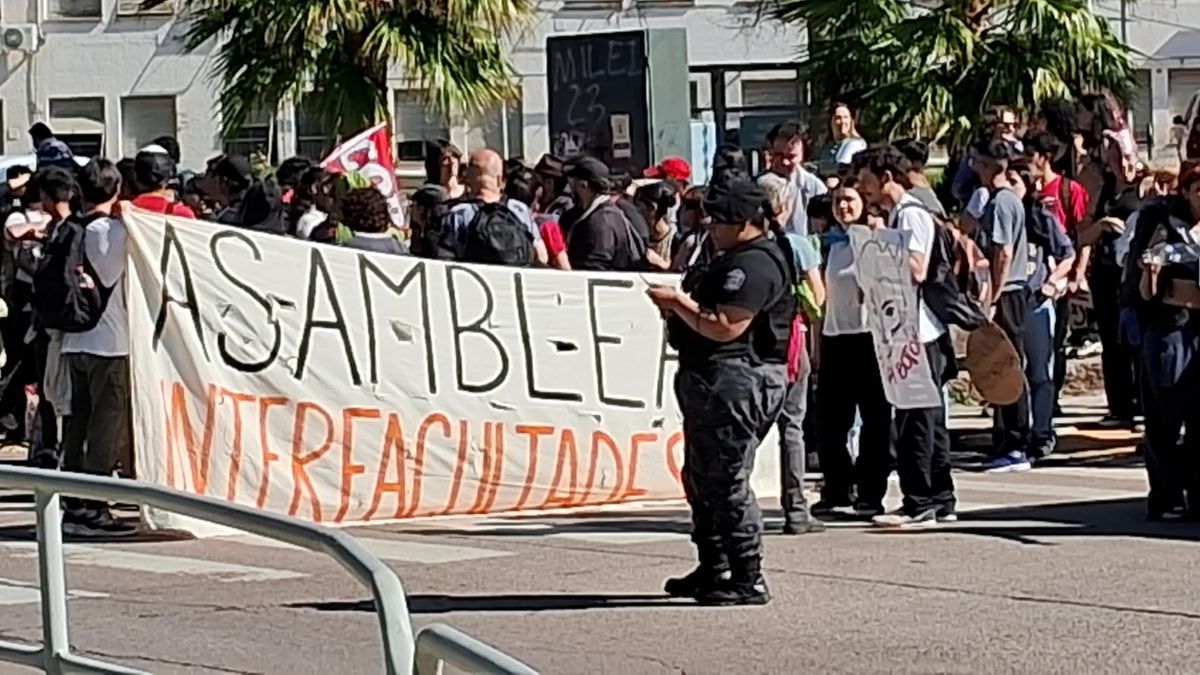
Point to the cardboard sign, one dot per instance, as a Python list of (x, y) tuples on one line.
[(347, 387), (994, 366), (882, 271)]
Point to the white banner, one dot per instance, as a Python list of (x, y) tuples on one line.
[(345, 387), (881, 267)]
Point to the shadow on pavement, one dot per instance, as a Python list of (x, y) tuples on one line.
[(1037, 525), (543, 602), (29, 533)]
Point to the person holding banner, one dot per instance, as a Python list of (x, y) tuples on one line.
[(732, 328), (922, 437)]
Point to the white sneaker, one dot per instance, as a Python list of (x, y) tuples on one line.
[(901, 520)]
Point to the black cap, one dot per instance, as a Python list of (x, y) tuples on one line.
[(152, 168), (589, 169), (735, 201), (235, 168)]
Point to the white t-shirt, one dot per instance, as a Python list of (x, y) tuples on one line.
[(845, 313), (105, 246), (913, 219), (311, 220), (978, 202)]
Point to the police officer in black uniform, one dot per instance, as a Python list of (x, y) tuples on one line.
[(731, 323)]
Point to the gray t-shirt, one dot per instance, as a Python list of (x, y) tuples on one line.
[(1004, 219), (928, 199)]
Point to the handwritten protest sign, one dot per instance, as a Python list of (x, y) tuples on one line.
[(881, 265), (347, 387)]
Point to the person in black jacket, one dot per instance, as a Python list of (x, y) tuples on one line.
[(602, 238)]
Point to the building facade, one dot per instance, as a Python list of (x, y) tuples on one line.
[(109, 77)]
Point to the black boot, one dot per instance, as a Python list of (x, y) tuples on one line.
[(739, 590), (696, 582), (745, 586)]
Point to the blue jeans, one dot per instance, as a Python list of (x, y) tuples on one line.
[(1039, 370)]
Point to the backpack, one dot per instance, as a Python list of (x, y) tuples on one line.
[(496, 236), (68, 295), (943, 290), (1039, 218)]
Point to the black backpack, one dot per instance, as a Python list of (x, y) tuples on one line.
[(496, 236), (943, 290), (67, 293), (1039, 218)]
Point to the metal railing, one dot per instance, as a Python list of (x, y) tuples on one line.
[(436, 643)]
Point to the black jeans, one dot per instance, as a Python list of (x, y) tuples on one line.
[(99, 431), (850, 379), (1117, 358), (923, 444), (1010, 430)]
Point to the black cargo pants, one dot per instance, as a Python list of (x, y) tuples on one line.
[(728, 407)]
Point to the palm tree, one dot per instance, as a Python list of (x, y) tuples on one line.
[(932, 68), (334, 55)]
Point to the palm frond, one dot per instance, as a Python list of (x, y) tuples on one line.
[(335, 55), (934, 69)]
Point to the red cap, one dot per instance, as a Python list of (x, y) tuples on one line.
[(675, 168)]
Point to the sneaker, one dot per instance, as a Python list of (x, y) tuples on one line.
[(89, 521), (1009, 463), (949, 517), (733, 592), (1043, 449), (695, 582), (807, 525), (901, 520)]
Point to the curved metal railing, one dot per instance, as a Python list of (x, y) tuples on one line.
[(400, 651)]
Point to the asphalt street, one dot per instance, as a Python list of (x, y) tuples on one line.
[(1054, 570)]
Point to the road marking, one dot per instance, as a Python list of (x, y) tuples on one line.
[(1044, 492), (13, 592), (622, 538), (113, 558), (395, 550)]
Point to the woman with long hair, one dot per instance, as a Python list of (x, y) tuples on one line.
[(844, 140), (849, 377)]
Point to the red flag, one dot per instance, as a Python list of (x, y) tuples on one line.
[(370, 154)]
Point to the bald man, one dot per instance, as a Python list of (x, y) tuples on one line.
[(484, 181)]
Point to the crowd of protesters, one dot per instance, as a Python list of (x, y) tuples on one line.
[(1047, 210)]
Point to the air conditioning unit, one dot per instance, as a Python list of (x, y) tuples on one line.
[(20, 37)]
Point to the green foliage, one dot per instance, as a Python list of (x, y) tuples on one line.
[(335, 55), (933, 69)]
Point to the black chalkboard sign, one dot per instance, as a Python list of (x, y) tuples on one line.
[(598, 100)]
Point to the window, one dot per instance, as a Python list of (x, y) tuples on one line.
[(79, 122), (416, 123), (501, 130), (74, 9), (314, 138), (770, 92), (144, 119), (255, 136), (134, 8)]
